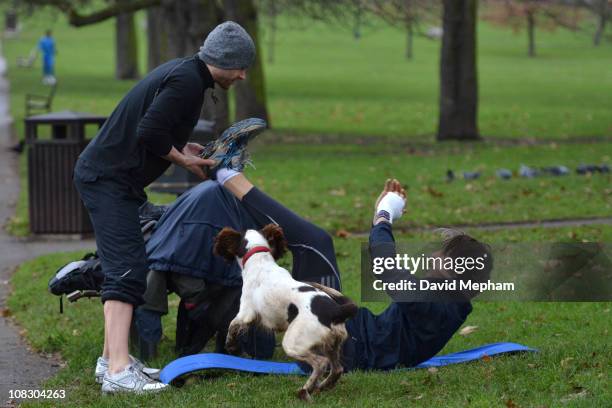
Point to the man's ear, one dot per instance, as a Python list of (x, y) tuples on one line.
[(228, 244), (276, 239)]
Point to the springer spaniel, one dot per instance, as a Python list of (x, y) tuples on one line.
[(311, 315)]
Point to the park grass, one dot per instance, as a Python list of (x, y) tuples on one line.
[(334, 185), (323, 81), (571, 368)]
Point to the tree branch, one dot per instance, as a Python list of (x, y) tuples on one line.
[(77, 19)]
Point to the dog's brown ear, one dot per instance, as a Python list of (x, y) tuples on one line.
[(276, 239), (228, 244)]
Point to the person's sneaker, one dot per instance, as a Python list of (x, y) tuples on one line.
[(102, 368), (130, 380), (229, 149)]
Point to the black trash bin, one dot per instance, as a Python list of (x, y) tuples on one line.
[(177, 180), (54, 204)]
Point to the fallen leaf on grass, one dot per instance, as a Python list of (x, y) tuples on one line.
[(5, 312), (342, 233), (486, 358), (467, 330), (433, 192), (511, 404), (573, 396)]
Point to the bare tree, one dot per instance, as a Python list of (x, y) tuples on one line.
[(529, 14), (458, 74), (157, 38), (405, 14), (126, 47), (270, 9), (602, 9), (251, 93)]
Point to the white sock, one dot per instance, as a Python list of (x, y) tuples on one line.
[(391, 204), (225, 174)]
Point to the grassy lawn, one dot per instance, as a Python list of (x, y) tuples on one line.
[(571, 369), (334, 185), (325, 82), (381, 113)]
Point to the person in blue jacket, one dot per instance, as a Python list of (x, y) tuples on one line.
[(413, 328), (46, 46)]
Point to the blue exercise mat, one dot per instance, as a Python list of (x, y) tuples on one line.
[(206, 361)]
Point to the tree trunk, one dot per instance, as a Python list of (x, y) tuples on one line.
[(409, 40), (357, 23), (531, 33), (272, 13), (601, 22), (458, 77), (157, 38), (188, 22), (250, 93), (126, 47)]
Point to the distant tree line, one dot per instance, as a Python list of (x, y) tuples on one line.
[(176, 28)]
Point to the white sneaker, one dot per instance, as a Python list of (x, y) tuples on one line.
[(102, 368), (130, 380)]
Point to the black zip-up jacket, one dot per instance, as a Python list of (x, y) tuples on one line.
[(159, 112)]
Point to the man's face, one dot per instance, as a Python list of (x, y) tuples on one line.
[(226, 77)]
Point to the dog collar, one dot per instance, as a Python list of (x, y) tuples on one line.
[(252, 252)]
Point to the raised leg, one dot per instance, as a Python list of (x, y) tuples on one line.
[(239, 325)]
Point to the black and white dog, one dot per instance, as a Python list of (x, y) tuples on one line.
[(311, 315)]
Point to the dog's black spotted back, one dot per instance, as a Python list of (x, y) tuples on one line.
[(292, 312), (330, 311)]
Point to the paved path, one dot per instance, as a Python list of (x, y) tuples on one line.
[(20, 368)]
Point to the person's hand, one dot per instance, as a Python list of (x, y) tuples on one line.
[(196, 165), (193, 149)]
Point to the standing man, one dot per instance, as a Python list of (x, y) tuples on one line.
[(46, 45), (146, 132)]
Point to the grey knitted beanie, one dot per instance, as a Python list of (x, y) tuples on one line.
[(228, 46)]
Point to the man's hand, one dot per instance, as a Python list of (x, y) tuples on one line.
[(193, 149), (196, 165), (192, 163)]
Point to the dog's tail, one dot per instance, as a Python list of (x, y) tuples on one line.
[(344, 311), (346, 307)]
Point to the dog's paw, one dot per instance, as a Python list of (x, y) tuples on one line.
[(304, 395), (232, 348)]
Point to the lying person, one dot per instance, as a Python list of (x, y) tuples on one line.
[(405, 334)]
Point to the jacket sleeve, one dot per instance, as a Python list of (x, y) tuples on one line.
[(157, 126)]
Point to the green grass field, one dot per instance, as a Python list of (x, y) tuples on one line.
[(572, 368), (347, 114), (325, 82)]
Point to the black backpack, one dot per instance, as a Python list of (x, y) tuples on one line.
[(84, 278), (78, 279)]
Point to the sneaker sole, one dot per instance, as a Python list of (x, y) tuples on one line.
[(245, 132)]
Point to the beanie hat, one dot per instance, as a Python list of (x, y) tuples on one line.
[(228, 46)]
